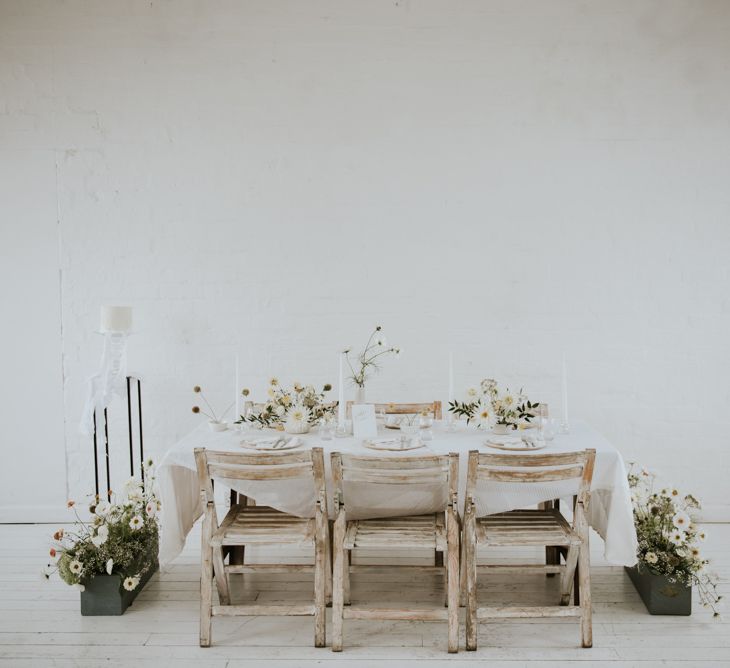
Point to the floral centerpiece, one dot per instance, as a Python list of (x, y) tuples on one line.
[(120, 537), (669, 538), (368, 359), (488, 405), (294, 409)]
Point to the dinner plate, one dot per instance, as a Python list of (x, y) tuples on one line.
[(393, 444), (272, 444)]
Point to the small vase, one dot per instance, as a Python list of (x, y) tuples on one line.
[(360, 394), (217, 425), (501, 429), (296, 427)]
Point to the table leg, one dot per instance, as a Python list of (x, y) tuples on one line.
[(236, 552)]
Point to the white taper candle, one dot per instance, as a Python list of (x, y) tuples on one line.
[(237, 415), (341, 394), (451, 377), (565, 391)]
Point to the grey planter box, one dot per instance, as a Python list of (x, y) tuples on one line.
[(660, 596), (106, 595)]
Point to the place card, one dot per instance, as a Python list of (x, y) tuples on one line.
[(363, 421)]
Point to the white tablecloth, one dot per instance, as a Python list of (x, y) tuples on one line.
[(610, 507)]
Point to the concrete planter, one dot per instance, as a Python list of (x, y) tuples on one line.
[(106, 595), (660, 596)]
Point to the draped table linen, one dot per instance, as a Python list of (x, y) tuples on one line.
[(610, 512)]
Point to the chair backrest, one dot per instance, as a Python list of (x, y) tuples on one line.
[(213, 464), (432, 407), (440, 470), (532, 468)]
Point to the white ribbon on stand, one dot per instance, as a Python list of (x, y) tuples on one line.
[(108, 381)]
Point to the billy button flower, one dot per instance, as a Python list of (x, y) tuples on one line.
[(58, 535), (327, 388), (70, 503), (196, 409), (245, 391), (197, 389)]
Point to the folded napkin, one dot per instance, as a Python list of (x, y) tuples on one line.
[(272, 443)]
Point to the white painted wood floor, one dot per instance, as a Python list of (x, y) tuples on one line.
[(40, 624)]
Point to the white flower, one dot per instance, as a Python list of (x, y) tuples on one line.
[(702, 536), (133, 489), (79, 586), (149, 463), (280, 410), (151, 509), (102, 534), (136, 522), (298, 414), (397, 351), (677, 537), (381, 341), (681, 520), (131, 583), (650, 558), (471, 393), (109, 566), (481, 415), (102, 508), (75, 567)]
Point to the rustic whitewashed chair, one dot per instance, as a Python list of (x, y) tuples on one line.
[(542, 527), (430, 407), (261, 525), (438, 531)]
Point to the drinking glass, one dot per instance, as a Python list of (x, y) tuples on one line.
[(327, 427), (425, 422), (548, 428)]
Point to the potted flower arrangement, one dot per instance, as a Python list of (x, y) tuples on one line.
[(368, 360), (669, 559), (293, 410), (110, 556), (488, 405)]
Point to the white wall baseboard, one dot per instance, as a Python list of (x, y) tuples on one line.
[(35, 515), (718, 512)]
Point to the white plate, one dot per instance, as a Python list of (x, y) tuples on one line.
[(394, 445), (267, 444), (512, 445)]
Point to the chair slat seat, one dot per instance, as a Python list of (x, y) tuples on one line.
[(534, 527), (245, 525), (417, 531)]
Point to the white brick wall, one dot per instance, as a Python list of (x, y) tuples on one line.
[(506, 180)]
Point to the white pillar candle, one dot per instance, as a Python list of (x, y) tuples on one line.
[(341, 394), (565, 390), (116, 318), (238, 394), (451, 377)]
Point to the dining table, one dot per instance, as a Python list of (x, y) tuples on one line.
[(610, 510)]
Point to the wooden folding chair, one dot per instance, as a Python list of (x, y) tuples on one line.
[(261, 525), (438, 531), (542, 527)]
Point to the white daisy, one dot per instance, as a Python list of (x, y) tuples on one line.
[(651, 558), (677, 537), (702, 535), (381, 341), (681, 520), (151, 509), (131, 583), (102, 534), (397, 352), (136, 522), (471, 393), (75, 567)]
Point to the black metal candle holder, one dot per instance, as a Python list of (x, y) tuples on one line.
[(131, 380)]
